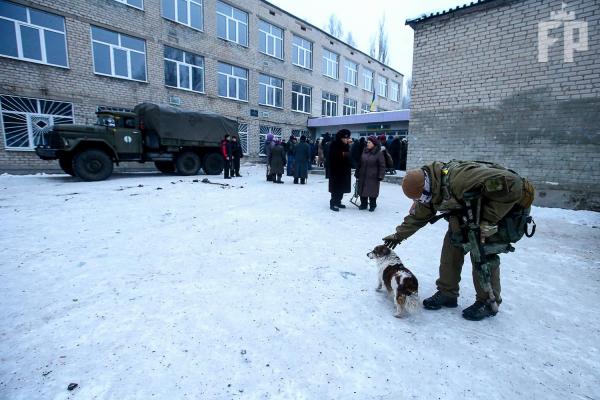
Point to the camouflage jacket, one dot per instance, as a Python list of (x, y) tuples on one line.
[(500, 188)]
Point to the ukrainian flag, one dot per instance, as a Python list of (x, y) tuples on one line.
[(372, 107)]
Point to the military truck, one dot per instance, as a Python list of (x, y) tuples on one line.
[(177, 141)]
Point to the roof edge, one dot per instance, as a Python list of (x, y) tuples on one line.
[(425, 16)]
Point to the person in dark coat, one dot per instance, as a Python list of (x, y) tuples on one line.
[(268, 147), (326, 144), (237, 153), (277, 161), (356, 151), (289, 148), (394, 149), (340, 169), (226, 151), (370, 173), (301, 160)]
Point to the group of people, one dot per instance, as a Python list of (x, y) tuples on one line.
[(486, 205), (232, 155), (294, 156)]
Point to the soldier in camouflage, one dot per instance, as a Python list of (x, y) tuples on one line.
[(442, 187)]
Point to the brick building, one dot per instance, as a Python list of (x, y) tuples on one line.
[(250, 60), (483, 88)]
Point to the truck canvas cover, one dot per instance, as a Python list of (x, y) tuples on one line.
[(173, 123)]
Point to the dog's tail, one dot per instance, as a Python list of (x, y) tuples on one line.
[(412, 302)]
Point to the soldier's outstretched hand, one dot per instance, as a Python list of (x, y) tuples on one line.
[(391, 241)]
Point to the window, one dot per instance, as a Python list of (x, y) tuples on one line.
[(350, 106), (118, 55), (382, 87), (301, 96), (301, 52), (395, 91), (184, 70), (351, 70), (186, 12), (26, 120), (270, 91), (366, 108), (271, 39), (368, 79), (243, 134), (233, 82), (329, 105), (262, 137), (133, 3), (232, 24), (32, 35), (330, 64), (299, 132)]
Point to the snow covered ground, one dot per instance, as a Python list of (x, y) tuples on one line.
[(150, 286)]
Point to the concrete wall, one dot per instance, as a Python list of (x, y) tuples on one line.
[(479, 92), (86, 90)]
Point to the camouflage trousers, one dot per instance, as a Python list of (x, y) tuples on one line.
[(451, 263)]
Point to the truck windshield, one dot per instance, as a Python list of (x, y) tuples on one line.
[(106, 120)]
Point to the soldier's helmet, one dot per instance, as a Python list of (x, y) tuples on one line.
[(413, 183)]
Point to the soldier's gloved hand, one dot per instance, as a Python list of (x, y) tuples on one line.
[(487, 229), (391, 241)]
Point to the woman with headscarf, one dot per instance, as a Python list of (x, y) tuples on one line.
[(277, 161), (340, 169), (369, 173)]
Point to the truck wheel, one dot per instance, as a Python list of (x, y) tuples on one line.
[(66, 164), (188, 163), (92, 165), (166, 167), (213, 164)]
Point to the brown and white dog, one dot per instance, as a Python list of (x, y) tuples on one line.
[(398, 280)]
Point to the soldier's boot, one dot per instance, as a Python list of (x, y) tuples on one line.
[(478, 311), (439, 300)]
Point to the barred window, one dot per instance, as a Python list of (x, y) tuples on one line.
[(25, 120), (262, 137), (32, 35), (184, 70), (243, 134)]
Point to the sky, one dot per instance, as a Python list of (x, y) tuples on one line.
[(362, 18)]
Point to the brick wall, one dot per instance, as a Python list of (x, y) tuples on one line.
[(479, 92), (78, 84)]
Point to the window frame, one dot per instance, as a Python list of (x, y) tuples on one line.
[(237, 24), (270, 88), (395, 91), (236, 78), (326, 101), (371, 80), (18, 24), (301, 96), (119, 47), (299, 48), (354, 72), (366, 108), (350, 107), (190, 73), (188, 3), (382, 82), (126, 2), (267, 35), (326, 62)]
